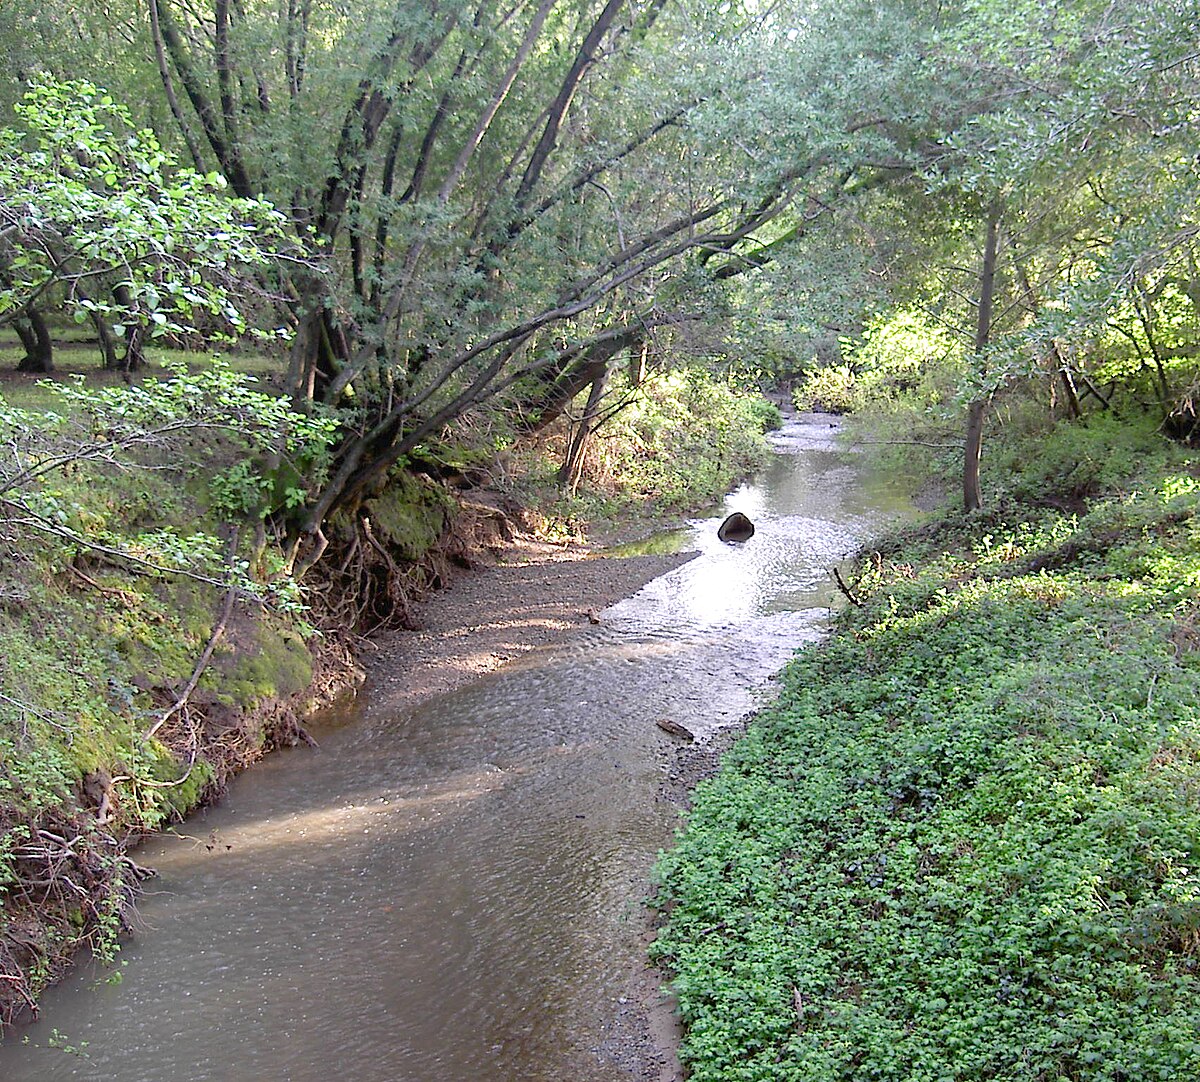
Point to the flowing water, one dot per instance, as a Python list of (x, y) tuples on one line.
[(454, 893)]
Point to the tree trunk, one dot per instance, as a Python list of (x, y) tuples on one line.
[(561, 384), (228, 155), (1074, 409), (135, 355), (319, 351), (1092, 389), (571, 470), (35, 337), (585, 57), (135, 334), (108, 347), (638, 355), (972, 495), (1145, 312), (164, 71)]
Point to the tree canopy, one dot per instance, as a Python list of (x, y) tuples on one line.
[(95, 210), (496, 201)]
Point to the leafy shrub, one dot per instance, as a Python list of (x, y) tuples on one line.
[(1102, 453), (86, 195), (904, 355), (685, 442), (830, 390), (767, 414), (682, 440)]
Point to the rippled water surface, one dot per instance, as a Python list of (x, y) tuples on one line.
[(453, 893)]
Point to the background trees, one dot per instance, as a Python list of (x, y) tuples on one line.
[(1070, 165), (499, 203), (95, 217), (506, 199)]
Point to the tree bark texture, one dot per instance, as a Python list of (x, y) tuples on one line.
[(972, 495), (35, 337)]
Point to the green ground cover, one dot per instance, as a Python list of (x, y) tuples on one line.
[(965, 842)]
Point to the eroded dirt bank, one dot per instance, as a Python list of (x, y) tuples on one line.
[(482, 618)]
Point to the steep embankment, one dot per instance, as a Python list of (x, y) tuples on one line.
[(131, 697), (964, 841)]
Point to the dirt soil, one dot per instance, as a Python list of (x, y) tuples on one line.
[(536, 594)]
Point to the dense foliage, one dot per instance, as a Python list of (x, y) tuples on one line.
[(961, 844), (507, 201), (964, 841), (63, 462), (672, 447), (96, 216)]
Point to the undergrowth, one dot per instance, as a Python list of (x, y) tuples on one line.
[(965, 842), (679, 443)]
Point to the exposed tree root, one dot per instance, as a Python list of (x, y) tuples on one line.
[(74, 889), (363, 587)]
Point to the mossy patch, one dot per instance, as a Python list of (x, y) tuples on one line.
[(176, 794), (410, 515), (269, 661)]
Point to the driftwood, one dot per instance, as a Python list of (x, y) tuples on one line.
[(675, 729), (841, 585)]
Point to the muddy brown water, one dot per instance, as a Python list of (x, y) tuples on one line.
[(454, 893)]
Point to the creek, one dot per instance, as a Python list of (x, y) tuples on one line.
[(454, 893)]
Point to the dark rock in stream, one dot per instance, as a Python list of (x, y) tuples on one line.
[(737, 527)]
